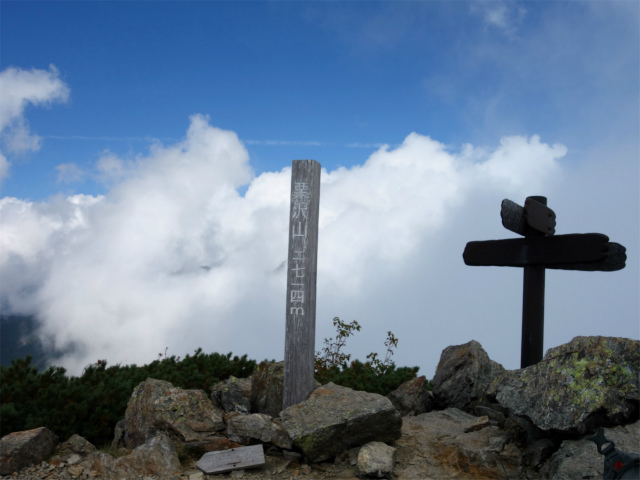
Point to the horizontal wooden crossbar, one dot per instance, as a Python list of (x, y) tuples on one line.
[(559, 250)]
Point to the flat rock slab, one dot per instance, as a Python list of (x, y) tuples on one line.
[(233, 459)]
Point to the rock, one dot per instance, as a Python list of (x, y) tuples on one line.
[(213, 444), (478, 424), (267, 387), (76, 444), (578, 386), (376, 459), (157, 406), (463, 375), (118, 434), (580, 458), (156, 457), (258, 426), (232, 395), (411, 398), (336, 418), (19, 449), (538, 452), (435, 445)]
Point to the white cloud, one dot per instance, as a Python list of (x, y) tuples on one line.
[(18, 88), (70, 173), (174, 256), (503, 15)]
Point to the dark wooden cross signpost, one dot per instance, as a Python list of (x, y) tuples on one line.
[(299, 349), (538, 250)]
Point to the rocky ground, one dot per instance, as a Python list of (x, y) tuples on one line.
[(443, 444)]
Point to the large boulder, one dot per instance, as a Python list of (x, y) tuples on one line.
[(260, 427), (411, 398), (157, 406), (20, 449), (448, 444), (232, 395), (335, 418), (586, 383), (463, 376), (580, 458), (267, 387)]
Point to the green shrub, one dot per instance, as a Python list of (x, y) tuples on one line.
[(91, 404)]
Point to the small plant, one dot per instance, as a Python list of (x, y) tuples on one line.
[(381, 367), (376, 375), (332, 356)]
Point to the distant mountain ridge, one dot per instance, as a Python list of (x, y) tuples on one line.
[(18, 339)]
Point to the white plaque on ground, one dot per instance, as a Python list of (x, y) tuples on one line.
[(232, 459)]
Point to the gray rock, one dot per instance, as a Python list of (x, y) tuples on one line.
[(463, 376), (588, 382), (376, 459), (157, 457), (580, 458), (267, 387), (157, 406), (232, 395), (411, 398), (20, 449), (76, 444), (258, 426), (435, 445), (336, 418), (118, 434)]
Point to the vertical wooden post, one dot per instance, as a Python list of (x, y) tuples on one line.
[(299, 348), (532, 345)]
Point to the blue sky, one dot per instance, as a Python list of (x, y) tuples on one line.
[(435, 110)]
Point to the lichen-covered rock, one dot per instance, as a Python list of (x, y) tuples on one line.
[(335, 418), (267, 388), (376, 459), (588, 382), (232, 395), (258, 426), (437, 445), (463, 376), (580, 458), (19, 449), (411, 398), (184, 415)]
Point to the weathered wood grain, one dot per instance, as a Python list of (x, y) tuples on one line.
[(301, 282), (232, 459)]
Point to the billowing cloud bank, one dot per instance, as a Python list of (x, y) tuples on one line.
[(174, 256)]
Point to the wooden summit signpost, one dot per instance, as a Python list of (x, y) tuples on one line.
[(299, 348), (538, 250)]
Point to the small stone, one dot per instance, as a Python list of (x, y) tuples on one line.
[(479, 424), (196, 476), (377, 459)]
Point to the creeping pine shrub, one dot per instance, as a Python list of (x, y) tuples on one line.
[(91, 404), (375, 375)]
